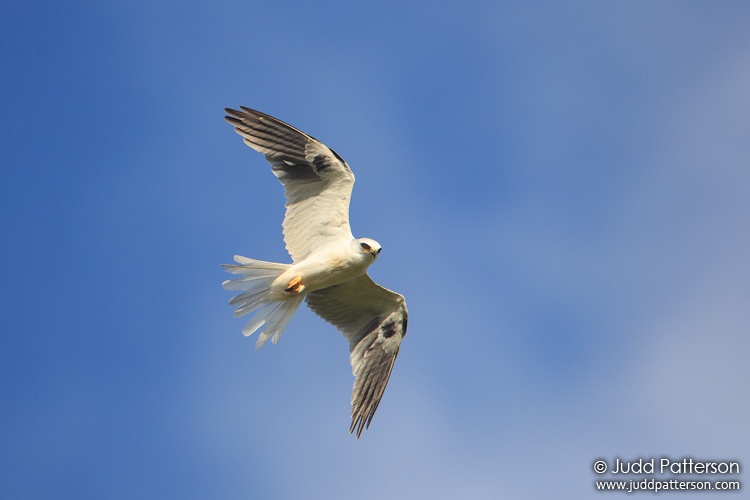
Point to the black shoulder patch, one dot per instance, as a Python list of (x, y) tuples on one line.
[(321, 162), (389, 329)]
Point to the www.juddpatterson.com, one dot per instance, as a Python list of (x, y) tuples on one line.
[(655, 485)]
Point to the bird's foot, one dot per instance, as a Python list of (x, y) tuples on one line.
[(295, 285)]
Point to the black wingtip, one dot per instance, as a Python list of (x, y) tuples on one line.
[(358, 423), (232, 113), (254, 112), (235, 122)]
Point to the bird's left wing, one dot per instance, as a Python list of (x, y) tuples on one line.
[(373, 319), (317, 181)]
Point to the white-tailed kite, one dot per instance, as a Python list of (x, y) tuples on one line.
[(329, 269)]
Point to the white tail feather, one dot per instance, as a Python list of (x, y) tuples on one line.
[(271, 317)]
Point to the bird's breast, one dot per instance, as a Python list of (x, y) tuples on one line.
[(329, 268)]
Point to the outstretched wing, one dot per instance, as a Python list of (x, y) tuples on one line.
[(373, 320), (317, 181)]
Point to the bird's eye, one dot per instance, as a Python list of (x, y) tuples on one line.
[(365, 247)]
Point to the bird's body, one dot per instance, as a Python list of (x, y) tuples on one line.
[(329, 269), (331, 265)]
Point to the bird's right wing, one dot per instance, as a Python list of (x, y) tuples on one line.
[(317, 181), (373, 319)]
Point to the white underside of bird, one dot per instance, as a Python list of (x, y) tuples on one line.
[(280, 287)]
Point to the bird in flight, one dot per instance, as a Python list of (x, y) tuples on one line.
[(329, 265)]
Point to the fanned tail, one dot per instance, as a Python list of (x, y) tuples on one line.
[(271, 317)]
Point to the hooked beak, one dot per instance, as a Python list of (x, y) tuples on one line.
[(375, 252)]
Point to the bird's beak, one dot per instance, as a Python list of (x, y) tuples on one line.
[(375, 252)]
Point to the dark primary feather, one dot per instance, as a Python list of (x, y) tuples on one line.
[(378, 355), (268, 135), (278, 140)]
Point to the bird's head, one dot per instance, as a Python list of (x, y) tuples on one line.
[(368, 246)]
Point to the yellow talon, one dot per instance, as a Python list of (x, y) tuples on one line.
[(295, 285)]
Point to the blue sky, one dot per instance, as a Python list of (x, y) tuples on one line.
[(561, 192)]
